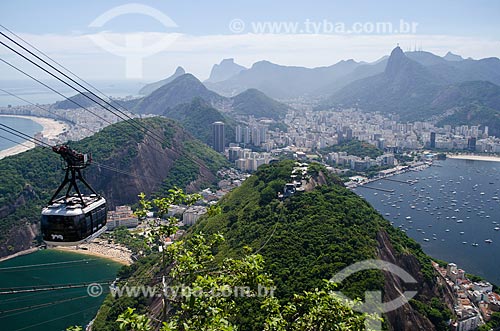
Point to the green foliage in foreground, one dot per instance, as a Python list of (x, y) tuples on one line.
[(436, 311), (216, 295), (354, 147), (493, 324)]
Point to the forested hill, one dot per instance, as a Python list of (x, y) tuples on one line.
[(29, 179), (314, 234), (197, 118)]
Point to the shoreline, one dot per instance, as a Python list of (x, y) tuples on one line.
[(51, 130), (100, 249), (20, 253), (474, 157)]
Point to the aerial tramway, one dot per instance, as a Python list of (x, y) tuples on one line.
[(74, 218)]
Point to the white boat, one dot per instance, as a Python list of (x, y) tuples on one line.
[(488, 241), (408, 217), (497, 228)]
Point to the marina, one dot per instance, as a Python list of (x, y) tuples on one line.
[(456, 203)]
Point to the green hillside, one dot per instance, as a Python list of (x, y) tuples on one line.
[(197, 118), (299, 243), (354, 147), (29, 179), (315, 234), (254, 102), (182, 89)]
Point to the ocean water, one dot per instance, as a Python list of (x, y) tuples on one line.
[(24, 125), (51, 310), (36, 93), (452, 206)]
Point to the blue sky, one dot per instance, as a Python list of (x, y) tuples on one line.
[(467, 18), (470, 28)]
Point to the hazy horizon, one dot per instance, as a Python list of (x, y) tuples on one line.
[(196, 39)]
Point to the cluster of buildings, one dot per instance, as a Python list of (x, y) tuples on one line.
[(464, 137), (83, 123), (187, 215), (247, 160), (474, 301), (309, 131), (122, 216), (356, 163), (255, 134)]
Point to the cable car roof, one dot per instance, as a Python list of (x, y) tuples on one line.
[(73, 205)]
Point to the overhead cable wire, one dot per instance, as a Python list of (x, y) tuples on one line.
[(15, 142), (60, 65), (47, 110), (132, 122), (54, 90)]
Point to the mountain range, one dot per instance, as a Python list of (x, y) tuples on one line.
[(185, 88), (182, 89), (283, 82), (420, 85), (290, 82)]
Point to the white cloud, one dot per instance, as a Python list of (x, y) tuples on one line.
[(197, 54)]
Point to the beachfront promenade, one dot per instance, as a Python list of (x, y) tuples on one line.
[(51, 131)]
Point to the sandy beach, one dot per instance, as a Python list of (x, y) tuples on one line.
[(475, 157), (51, 129), (101, 248)]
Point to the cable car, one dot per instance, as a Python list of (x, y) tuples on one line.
[(73, 218), (289, 189)]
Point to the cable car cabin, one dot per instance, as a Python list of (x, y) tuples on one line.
[(68, 222), (289, 190)]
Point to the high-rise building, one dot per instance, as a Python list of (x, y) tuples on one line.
[(381, 143), (471, 144), (256, 137), (474, 130), (433, 140), (218, 136), (239, 134), (348, 133), (263, 133)]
